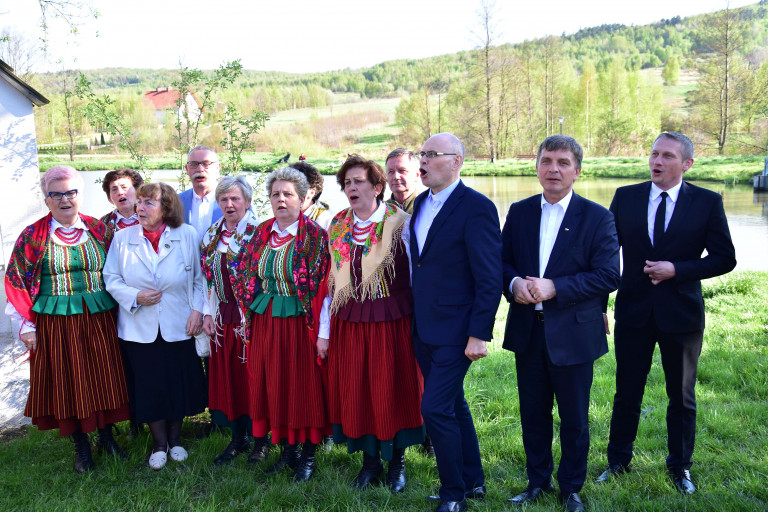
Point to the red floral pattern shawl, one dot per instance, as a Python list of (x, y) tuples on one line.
[(22, 279)]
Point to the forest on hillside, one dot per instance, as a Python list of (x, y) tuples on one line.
[(612, 87)]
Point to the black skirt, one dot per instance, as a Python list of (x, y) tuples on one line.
[(165, 379)]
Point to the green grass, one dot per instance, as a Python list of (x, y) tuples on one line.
[(730, 469)]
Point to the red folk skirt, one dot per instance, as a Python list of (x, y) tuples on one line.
[(374, 381), (228, 383), (77, 379), (287, 396)]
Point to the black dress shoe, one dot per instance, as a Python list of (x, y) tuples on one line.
[(611, 471), (452, 506), (683, 482), (531, 494), (477, 493), (260, 450), (235, 447), (572, 502), (108, 444)]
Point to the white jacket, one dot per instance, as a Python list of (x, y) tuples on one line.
[(132, 265)]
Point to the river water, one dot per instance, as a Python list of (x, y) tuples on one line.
[(746, 210)]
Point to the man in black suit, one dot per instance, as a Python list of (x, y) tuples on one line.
[(560, 259), (456, 256), (664, 226)]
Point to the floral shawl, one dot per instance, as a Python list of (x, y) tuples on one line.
[(310, 264), (236, 255), (22, 279), (378, 256)]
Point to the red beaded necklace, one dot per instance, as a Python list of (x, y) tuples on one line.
[(276, 241), (122, 223), (225, 236), (70, 236), (361, 235)]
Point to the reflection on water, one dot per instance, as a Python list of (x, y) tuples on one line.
[(747, 211)]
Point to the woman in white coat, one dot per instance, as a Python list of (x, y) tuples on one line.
[(153, 272)]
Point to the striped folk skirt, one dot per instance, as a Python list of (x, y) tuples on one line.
[(77, 380), (374, 381), (287, 391), (228, 378)]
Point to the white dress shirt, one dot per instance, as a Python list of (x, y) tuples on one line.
[(202, 212), (654, 200), (428, 210)]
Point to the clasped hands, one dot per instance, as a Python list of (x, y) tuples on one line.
[(659, 271), (533, 290)]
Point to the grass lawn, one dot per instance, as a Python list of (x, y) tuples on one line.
[(730, 469)]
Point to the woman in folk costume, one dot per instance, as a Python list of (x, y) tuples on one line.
[(375, 386), (289, 265), (223, 249), (55, 289), (120, 186), (153, 272)]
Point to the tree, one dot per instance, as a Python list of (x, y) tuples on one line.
[(486, 15), (715, 98), (19, 52), (671, 71)]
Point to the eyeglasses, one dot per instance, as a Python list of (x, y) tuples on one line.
[(204, 164), (432, 154), (69, 194)]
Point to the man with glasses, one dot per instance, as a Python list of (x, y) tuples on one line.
[(402, 166), (456, 254), (200, 206)]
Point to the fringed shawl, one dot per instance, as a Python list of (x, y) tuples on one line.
[(236, 255), (378, 263), (22, 279)]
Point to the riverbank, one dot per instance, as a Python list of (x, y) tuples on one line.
[(730, 470), (728, 169)]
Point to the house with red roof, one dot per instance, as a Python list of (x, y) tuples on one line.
[(163, 99)]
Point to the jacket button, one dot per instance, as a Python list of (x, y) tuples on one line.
[(418, 265)]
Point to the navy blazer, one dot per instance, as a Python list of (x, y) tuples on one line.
[(698, 223), (584, 266), (455, 276), (186, 203)]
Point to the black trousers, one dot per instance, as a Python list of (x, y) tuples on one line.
[(539, 383), (679, 358)]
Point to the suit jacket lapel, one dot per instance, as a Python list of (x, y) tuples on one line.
[(678, 215), (415, 249), (169, 245), (534, 230), (568, 229), (445, 211)]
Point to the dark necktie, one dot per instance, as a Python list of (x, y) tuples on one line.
[(658, 225)]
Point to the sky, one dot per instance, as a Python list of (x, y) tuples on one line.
[(304, 36)]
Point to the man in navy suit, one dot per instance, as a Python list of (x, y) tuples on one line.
[(455, 254), (560, 259), (664, 226), (200, 206)]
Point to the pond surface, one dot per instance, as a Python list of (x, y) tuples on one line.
[(746, 210)]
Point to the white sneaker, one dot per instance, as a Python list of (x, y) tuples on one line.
[(179, 454), (157, 460)]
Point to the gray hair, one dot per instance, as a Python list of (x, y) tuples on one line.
[(555, 142), (686, 146), (230, 183), (401, 152), (197, 148), (289, 174)]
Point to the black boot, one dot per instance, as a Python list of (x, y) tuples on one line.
[(428, 447), (396, 471), (289, 456), (108, 444), (307, 463), (239, 444), (260, 450), (83, 458), (369, 474)]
